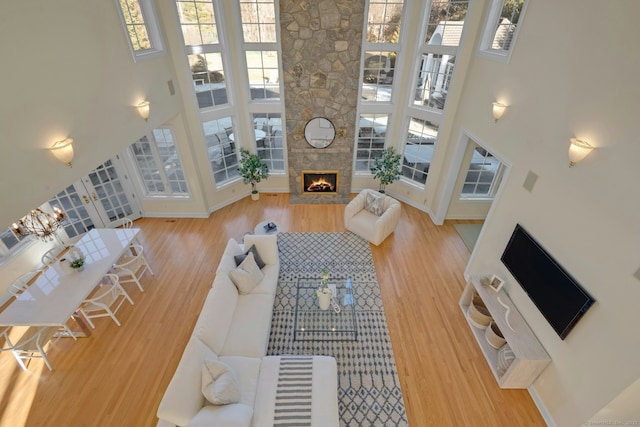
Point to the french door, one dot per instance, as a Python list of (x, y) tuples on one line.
[(98, 199)]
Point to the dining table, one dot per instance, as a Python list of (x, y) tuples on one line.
[(56, 294)]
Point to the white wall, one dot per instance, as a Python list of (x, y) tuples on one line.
[(68, 71), (574, 72)]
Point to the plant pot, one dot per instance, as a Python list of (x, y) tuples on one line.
[(324, 299), (78, 268), (255, 196)]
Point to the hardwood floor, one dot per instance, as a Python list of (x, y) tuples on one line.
[(118, 375)]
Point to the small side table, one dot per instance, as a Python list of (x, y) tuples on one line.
[(260, 228)]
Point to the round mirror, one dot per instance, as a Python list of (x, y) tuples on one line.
[(319, 132)]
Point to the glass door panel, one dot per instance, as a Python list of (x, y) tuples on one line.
[(75, 203), (105, 187), (97, 200)]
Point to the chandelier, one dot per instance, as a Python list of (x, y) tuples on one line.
[(41, 224)]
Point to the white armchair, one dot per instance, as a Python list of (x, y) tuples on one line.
[(368, 225)]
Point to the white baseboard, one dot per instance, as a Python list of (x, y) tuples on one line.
[(541, 407), (227, 202), (176, 215)]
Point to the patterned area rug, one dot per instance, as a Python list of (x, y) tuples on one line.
[(369, 391)]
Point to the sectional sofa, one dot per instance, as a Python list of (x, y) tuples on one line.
[(232, 334)]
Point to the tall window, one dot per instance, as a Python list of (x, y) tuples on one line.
[(379, 55), (262, 50), (260, 39), (501, 28), (159, 164), (483, 176), (222, 149), (141, 25), (444, 32), (445, 20), (204, 51), (418, 150), (380, 49)]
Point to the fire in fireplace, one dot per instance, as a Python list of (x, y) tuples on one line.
[(319, 182)]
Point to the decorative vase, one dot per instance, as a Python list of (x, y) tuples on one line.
[(81, 268), (324, 298), (255, 196)]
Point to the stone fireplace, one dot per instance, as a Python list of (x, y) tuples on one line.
[(321, 48)]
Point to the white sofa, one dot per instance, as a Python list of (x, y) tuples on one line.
[(368, 225), (234, 329)]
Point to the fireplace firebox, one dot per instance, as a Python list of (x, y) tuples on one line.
[(319, 182)]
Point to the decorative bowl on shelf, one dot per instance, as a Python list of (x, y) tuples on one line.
[(494, 336), (479, 316), (478, 313)]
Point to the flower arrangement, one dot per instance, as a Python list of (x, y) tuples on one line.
[(325, 278), (324, 293), (77, 264)]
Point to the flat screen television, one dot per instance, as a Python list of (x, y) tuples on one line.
[(560, 299)]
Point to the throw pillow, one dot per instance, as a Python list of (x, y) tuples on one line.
[(256, 257), (374, 203), (247, 275), (219, 383)]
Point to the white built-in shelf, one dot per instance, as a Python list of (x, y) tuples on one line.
[(531, 357)]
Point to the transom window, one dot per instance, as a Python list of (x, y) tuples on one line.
[(141, 25), (383, 23), (198, 22), (501, 28), (258, 21)]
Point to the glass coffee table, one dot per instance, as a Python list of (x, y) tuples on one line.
[(338, 323)]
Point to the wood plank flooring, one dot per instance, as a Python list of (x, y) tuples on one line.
[(118, 375)]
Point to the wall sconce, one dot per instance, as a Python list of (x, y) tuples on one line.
[(498, 110), (143, 110), (578, 150), (63, 150)]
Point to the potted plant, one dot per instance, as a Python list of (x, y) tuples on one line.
[(324, 293), (77, 264), (253, 169), (386, 167)]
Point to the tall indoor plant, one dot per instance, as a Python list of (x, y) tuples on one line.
[(253, 169), (386, 168)]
